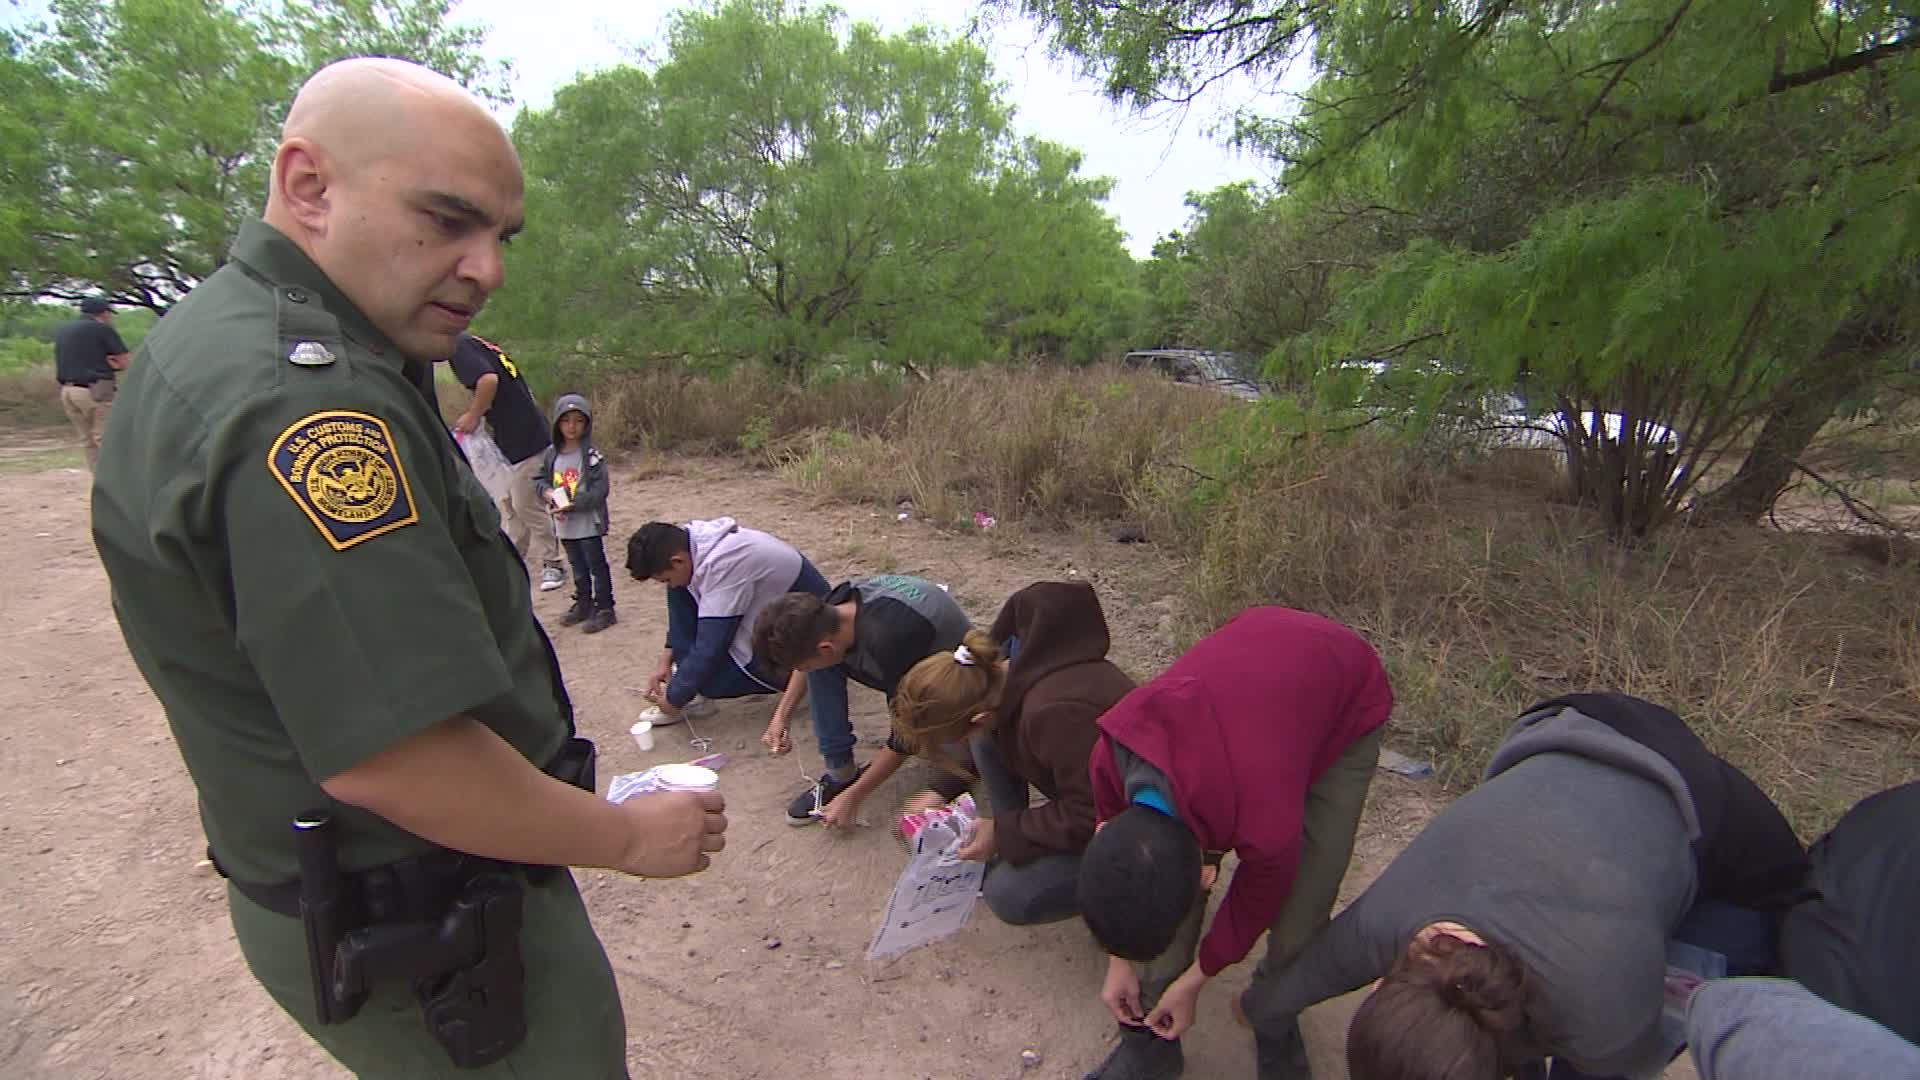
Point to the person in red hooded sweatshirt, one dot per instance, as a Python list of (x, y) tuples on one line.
[(1260, 740)]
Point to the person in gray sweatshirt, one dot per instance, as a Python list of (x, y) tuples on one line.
[(1776, 1029), (1530, 919)]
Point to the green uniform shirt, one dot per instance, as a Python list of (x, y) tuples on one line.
[(304, 569)]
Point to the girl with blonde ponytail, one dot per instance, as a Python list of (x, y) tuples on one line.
[(1021, 702)]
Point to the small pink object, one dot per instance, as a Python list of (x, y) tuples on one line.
[(711, 761), (984, 520)]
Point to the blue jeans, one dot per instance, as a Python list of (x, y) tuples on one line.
[(827, 705), (592, 578), (729, 680)]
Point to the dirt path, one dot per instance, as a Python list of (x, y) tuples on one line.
[(116, 957)]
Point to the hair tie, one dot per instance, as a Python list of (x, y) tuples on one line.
[(963, 656)]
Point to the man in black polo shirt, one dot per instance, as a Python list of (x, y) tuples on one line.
[(86, 354), (520, 428)]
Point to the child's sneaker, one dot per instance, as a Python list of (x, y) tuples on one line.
[(805, 808), (600, 620), (580, 612), (551, 578)]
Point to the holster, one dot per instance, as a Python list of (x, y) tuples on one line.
[(448, 922), (465, 969)]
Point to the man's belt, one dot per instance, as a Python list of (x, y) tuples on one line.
[(447, 922), (406, 888)]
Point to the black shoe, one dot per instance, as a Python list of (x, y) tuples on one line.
[(1281, 1056), (806, 806), (580, 612), (1141, 1055), (600, 620)]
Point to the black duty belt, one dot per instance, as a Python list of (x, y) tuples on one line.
[(419, 885)]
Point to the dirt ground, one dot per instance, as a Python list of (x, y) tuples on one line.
[(116, 958)]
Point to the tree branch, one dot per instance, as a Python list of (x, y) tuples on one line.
[(1861, 511), (1842, 65)]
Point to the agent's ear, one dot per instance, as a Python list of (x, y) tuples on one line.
[(300, 178)]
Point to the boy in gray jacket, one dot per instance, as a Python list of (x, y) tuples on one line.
[(574, 484)]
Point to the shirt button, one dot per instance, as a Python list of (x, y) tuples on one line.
[(298, 296)]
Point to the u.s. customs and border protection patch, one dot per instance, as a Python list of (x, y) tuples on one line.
[(344, 474)]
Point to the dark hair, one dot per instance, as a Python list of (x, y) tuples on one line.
[(792, 628), (652, 547), (1449, 1010), (1139, 877)]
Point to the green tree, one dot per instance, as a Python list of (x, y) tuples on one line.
[(786, 185), (138, 133), (1687, 212)]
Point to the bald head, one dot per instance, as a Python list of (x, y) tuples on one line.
[(370, 109), (403, 189)]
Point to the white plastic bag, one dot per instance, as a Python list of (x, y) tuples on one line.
[(936, 892), (490, 466)]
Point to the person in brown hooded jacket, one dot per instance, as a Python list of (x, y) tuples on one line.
[(1026, 695)]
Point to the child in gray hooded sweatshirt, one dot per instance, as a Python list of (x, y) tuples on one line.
[(574, 485)]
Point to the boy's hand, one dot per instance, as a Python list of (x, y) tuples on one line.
[(1171, 1018), (842, 813), (776, 738), (1121, 993), (657, 686)]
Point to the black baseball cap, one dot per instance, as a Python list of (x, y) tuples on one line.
[(93, 305)]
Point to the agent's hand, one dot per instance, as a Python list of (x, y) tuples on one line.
[(1121, 993), (671, 833), (466, 424)]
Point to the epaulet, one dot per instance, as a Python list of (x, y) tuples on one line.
[(309, 336)]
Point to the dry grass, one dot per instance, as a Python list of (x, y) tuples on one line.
[(1048, 447), (30, 398), (1797, 662), (746, 411)]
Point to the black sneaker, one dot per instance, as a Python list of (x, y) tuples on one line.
[(1141, 1055), (576, 614), (806, 806), (1282, 1055), (599, 621)]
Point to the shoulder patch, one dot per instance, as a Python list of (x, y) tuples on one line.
[(341, 469), (594, 456)]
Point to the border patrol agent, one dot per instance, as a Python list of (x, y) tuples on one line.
[(316, 587)]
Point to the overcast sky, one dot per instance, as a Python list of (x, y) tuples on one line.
[(1156, 160)]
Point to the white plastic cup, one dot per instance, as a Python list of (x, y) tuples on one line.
[(642, 733), (686, 778)]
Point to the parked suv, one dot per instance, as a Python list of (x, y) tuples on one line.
[(1197, 367)]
